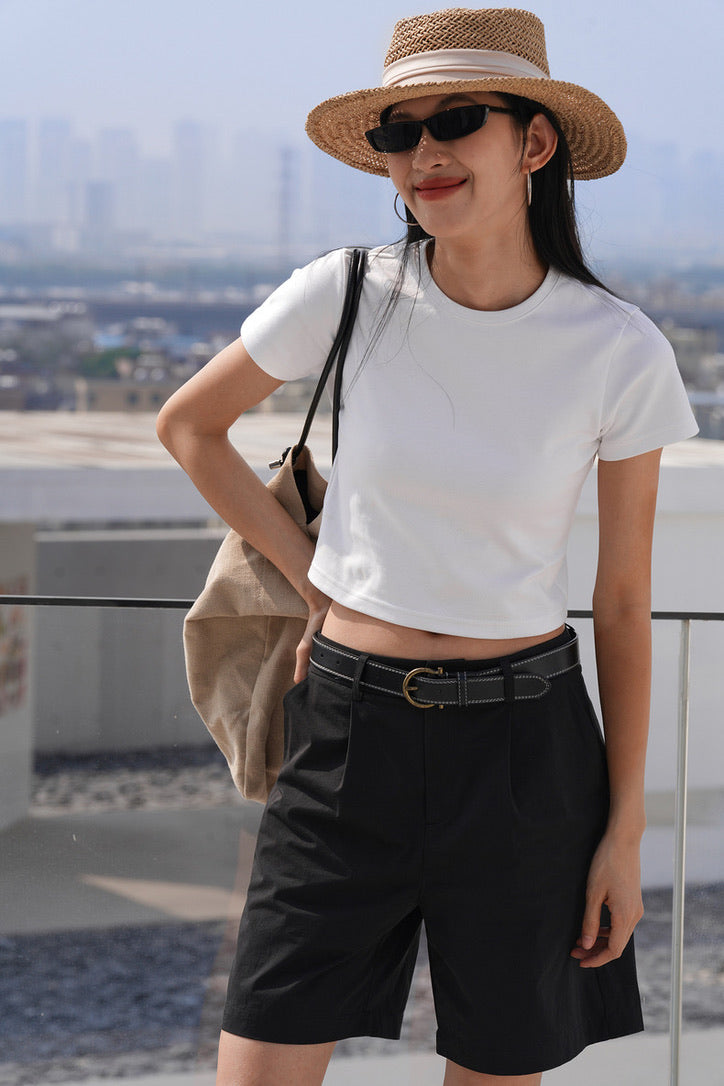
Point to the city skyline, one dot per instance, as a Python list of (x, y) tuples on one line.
[(65, 192), (55, 184)]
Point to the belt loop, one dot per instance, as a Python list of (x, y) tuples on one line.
[(357, 678), (508, 681)]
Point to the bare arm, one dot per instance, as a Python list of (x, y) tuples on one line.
[(622, 627), (194, 425)]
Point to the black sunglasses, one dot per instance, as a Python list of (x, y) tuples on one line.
[(450, 124)]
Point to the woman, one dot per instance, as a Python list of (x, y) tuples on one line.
[(443, 762)]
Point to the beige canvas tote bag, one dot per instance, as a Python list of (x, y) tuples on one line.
[(241, 634)]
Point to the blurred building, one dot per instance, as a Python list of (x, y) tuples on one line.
[(54, 181), (692, 347), (14, 173), (99, 218), (190, 164), (122, 395), (118, 165)]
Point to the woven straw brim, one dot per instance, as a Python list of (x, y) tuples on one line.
[(594, 133)]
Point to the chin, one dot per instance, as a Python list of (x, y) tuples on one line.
[(444, 231)]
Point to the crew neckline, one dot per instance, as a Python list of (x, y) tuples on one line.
[(483, 316)]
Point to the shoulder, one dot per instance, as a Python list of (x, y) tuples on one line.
[(320, 277), (629, 331), (290, 334), (306, 297), (389, 272), (324, 278)]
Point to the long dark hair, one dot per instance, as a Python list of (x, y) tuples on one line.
[(552, 214)]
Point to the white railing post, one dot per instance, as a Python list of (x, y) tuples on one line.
[(677, 925)]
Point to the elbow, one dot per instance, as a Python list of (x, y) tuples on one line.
[(168, 425), (617, 608), (164, 427), (179, 429), (622, 593)]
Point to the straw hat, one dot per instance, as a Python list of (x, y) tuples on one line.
[(494, 49)]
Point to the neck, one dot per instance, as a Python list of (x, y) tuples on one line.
[(488, 276)]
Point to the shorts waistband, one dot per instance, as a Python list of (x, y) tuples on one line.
[(432, 686)]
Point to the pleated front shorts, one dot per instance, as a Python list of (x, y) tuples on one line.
[(479, 822)]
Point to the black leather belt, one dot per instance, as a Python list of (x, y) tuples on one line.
[(429, 687)]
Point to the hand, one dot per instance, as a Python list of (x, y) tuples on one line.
[(318, 604), (614, 880)]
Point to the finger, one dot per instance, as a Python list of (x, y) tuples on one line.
[(616, 943), (603, 933), (600, 944), (591, 922), (622, 927), (596, 959), (303, 654), (300, 671)]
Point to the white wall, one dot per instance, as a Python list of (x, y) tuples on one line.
[(114, 679)]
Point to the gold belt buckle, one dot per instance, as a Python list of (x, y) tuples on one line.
[(406, 688)]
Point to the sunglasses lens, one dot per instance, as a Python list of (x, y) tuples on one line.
[(388, 139), (450, 124), (453, 124)]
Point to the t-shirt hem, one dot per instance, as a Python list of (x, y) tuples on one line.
[(255, 350), (457, 626), (648, 443)]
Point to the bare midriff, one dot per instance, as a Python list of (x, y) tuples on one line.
[(381, 638)]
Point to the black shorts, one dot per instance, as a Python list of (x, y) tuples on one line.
[(479, 821)]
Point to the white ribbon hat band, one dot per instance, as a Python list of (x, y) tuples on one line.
[(443, 65)]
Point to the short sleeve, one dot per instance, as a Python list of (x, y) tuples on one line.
[(292, 331), (645, 403)]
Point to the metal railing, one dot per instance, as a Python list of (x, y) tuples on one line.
[(682, 753)]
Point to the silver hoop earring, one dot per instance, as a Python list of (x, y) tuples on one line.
[(529, 187), (406, 221)]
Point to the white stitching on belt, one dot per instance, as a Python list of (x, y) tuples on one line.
[(341, 652), (441, 700), (542, 656), (347, 679)]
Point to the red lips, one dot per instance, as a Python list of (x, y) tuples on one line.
[(438, 188), (440, 183)]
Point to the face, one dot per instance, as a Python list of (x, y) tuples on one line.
[(462, 187)]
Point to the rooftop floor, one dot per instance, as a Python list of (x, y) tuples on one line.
[(58, 439)]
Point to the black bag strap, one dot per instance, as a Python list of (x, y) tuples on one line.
[(355, 279), (358, 266)]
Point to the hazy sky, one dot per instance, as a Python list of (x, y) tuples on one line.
[(244, 63)]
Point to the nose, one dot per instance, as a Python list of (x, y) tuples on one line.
[(429, 151)]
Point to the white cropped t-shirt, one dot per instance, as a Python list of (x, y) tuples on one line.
[(466, 436)]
